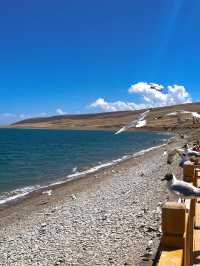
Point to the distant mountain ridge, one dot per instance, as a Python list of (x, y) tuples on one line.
[(156, 119)]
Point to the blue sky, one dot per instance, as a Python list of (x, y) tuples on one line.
[(74, 56)]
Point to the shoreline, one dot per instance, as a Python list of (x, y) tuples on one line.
[(32, 190), (113, 129), (108, 217)]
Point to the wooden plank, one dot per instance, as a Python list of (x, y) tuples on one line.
[(197, 217), (197, 174), (187, 204), (171, 258), (187, 255), (196, 252), (191, 224)]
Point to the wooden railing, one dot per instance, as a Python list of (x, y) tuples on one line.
[(178, 222), (177, 239)]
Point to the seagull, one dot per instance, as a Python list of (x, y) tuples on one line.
[(140, 122), (156, 87), (48, 192), (190, 152), (164, 153), (74, 169), (182, 152), (181, 188), (73, 197)]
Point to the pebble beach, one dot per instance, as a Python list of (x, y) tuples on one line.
[(111, 217)]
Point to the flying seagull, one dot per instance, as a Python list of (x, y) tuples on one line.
[(181, 188), (156, 87), (140, 122)]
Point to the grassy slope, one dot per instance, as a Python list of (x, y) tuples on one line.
[(110, 120)]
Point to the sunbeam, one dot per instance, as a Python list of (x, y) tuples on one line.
[(166, 37)]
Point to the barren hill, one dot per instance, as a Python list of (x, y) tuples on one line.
[(156, 119)]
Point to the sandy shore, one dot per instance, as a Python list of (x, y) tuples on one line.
[(108, 218)]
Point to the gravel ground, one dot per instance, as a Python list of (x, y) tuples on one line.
[(117, 223)]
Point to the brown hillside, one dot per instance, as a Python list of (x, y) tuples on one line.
[(156, 119)]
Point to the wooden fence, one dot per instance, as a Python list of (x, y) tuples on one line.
[(178, 223)]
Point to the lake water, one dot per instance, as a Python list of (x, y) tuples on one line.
[(31, 157)]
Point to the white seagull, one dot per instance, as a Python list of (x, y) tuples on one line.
[(181, 188), (156, 87), (190, 152), (186, 151), (48, 192), (74, 169), (140, 122)]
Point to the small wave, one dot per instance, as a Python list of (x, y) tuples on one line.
[(18, 194)]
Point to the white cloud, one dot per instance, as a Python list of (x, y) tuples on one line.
[(115, 106), (150, 97), (174, 95), (59, 111), (144, 86), (103, 105)]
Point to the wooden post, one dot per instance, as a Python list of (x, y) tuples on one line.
[(187, 249), (173, 225), (188, 173), (197, 175), (191, 226), (177, 239)]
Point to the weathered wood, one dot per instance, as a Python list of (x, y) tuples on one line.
[(171, 258), (177, 223), (187, 255), (197, 217), (180, 242), (173, 225), (196, 249), (188, 173), (191, 228)]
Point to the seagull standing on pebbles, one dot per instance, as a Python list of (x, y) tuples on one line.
[(48, 192), (181, 188), (185, 153)]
